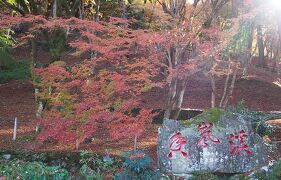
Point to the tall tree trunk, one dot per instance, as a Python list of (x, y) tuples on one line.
[(38, 102), (177, 85), (279, 45), (260, 46), (39, 107), (33, 7), (97, 9), (279, 30), (234, 8), (171, 95), (123, 8), (81, 9), (231, 88), (178, 99), (55, 8), (23, 5), (276, 58), (225, 87), (216, 5), (248, 53), (213, 96)]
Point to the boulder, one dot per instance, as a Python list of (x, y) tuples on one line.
[(7, 156), (229, 146)]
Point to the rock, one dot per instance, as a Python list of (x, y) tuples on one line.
[(107, 158), (230, 146), (7, 156)]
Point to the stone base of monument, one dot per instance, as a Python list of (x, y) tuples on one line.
[(230, 146)]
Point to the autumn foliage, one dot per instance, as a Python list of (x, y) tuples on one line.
[(105, 90), (102, 92)]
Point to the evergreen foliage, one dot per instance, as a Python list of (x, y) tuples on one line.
[(137, 166), (11, 69), (31, 170)]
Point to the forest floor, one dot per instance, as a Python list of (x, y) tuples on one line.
[(17, 100)]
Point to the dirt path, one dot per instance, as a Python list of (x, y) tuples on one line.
[(17, 100), (258, 95)]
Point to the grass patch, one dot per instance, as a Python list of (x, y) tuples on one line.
[(211, 115)]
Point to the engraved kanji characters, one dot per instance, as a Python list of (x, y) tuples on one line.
[(178, 141), (206, 134), (237, 143)]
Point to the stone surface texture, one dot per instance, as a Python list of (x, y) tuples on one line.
[(214, 157)]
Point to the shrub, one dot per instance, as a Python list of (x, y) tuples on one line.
[(17, 169), (206, 175), (55, 43), (13, 70), (94, 165), (98, 162), (137, 165), (5, 38), (274, 172), (89, 174), (258, 119)]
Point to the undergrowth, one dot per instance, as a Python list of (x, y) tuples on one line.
[(18, 169), (137, 166), (274, 172), (11, 69), (258, 119)]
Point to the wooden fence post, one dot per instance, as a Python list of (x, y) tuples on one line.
[(15, 129)]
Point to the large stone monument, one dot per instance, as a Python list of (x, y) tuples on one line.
[(229, 146)]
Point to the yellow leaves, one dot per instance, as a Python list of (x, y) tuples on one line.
[(118, 104), (146, 87), (89, 82), (60, 63)]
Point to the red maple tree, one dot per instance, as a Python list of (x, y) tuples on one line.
[(105, 90)]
